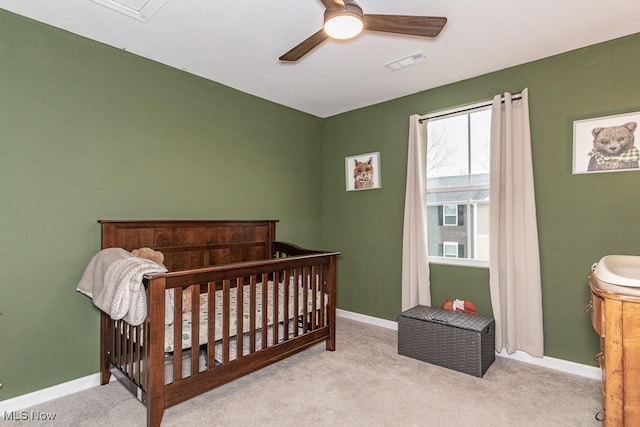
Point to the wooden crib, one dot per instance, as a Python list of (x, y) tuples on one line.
[(216, 261)]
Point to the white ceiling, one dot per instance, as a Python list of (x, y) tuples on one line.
[(238, 42)]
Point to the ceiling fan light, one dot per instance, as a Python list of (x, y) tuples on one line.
[(343, 26)]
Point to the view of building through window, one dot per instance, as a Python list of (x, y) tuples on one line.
[(458, 184)]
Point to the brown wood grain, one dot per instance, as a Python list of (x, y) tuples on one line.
[(207, 257), (616, 318)]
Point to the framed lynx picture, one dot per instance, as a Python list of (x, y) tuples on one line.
[(362, 171), (606, 144)]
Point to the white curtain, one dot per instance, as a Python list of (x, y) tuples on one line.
[(415, 264), (514, 266)]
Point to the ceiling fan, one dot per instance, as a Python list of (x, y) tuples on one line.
[(344, 19)]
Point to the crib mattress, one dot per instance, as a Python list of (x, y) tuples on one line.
[(233, 327)]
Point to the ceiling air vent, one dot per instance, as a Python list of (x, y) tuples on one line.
[(141, 10), (406, 61)]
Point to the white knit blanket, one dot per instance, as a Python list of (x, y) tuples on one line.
[(113, 280)]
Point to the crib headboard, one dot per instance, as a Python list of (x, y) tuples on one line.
[(190, 244)]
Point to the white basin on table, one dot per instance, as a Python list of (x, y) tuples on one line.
[(623, 270)]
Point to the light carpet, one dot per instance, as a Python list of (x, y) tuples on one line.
[(363, 383)]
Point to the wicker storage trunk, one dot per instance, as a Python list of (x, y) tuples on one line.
[(459, 341)]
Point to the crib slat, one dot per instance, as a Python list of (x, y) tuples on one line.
[(132, 346), (239, 316), (119, 343), (129, 351), (276, 305), (265, 306), (226, 304), (211, 341), (195, 328), (116, 343), (137, 378), (177, 334), (252, 313), (123, 344), (305, 299), (123, 347), (113, 339), (322, 291), (285, 283), (296, 300), (147, 354), (314, 297)]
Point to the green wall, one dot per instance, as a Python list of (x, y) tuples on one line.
[(580, 217), (88, 132)]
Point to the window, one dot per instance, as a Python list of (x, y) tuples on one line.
[(450, 214), (458, 186), (450, 249)]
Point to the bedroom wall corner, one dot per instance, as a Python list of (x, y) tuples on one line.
[(91, 132), (580, 217)]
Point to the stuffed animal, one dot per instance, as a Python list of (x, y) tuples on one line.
[(158, 257), (150, 254)]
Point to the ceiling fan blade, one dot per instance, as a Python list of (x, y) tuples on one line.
[(423, 26), (333, 4), (303, 48)]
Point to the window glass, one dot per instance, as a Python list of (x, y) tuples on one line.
[(480, 123), (447, 151), (450, 214), (458, 185), (450, 249)]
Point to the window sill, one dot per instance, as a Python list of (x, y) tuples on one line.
[(458, 262)]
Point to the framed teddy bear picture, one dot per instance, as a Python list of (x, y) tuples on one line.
[(606, 144)]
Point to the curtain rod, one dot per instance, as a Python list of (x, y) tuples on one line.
[(464, 110)]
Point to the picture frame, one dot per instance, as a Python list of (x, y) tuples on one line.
[(606, 144), (362, 172)]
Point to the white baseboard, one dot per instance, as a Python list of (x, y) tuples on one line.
[(545, 362), (44, 395), (74, 386), (557, 364), (389, 324)]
